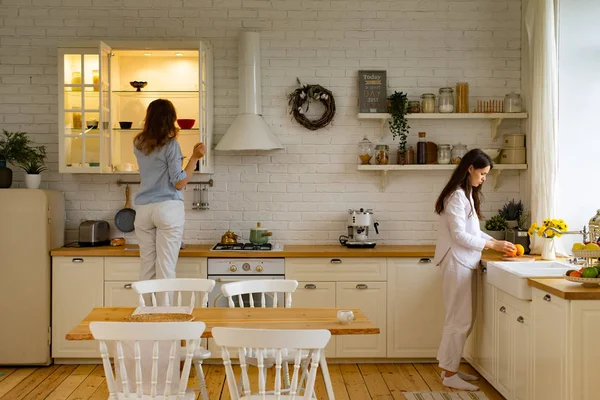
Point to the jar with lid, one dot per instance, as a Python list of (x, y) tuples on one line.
[(512, 103), (96, 79), (444, 154), (414, 107), (422, 149), (365, 151), (76, 80), (408, 157), (382, 154), (446, 100), (427, 103), (458, 152)]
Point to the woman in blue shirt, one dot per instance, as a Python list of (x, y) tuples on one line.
[(160, 214)]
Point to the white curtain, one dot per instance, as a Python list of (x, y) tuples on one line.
[(542, 82)]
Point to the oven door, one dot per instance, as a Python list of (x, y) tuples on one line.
[(216, 298)]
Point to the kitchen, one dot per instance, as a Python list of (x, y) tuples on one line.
[(302, 192)]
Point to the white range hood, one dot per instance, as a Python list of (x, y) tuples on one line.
[(249, 131)]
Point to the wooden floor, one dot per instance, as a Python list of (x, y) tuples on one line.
[(350, 381)]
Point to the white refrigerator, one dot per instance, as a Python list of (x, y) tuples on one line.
[(32, 222)]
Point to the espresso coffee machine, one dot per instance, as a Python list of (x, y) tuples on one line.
[(359, 222)]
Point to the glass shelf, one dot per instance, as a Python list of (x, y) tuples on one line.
[(156, 93)]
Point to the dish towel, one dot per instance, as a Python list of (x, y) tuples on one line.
[(445, 396)]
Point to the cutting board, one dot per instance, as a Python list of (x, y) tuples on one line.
[(519, 258)]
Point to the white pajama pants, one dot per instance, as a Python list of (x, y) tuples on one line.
[(159, 228), (460, 300)]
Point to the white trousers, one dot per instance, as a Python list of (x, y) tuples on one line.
[(159, 228), (460, 301)]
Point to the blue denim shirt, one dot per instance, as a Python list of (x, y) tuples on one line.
[(160, 171)]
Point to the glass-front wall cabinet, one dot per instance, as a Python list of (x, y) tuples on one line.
[(104, 96)]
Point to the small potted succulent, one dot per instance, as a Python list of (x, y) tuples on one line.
[(496, 227), (33, 166), (512, 212)]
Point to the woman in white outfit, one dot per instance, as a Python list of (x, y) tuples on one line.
[(458, 252), (160, 214)]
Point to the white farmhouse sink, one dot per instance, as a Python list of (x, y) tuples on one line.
[(511, 277)]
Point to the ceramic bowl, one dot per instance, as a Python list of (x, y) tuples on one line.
[(186, 123), (92, 124), (125, 124), (138, 85), (492, 153)]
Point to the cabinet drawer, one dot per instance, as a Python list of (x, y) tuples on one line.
[(336, 269), (87, 261), (522, 307), (119, 294), (128, 268), (547, 297)]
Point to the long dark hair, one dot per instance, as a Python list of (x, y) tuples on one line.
[(159, 126), (460, 179)]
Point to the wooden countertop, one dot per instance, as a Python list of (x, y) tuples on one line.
[(565, 289)]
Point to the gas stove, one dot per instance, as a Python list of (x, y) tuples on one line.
[(243, 247)]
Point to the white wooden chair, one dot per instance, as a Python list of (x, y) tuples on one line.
[(159, 335), (181, 287), (264, 287), (237, 340)]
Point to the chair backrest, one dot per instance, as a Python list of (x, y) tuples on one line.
[(138, 333), (237, 340), (179, 286), (264, 287)]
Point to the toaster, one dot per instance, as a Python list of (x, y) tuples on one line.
[(94, 233)]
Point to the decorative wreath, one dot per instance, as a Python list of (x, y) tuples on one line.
[(300, 100)]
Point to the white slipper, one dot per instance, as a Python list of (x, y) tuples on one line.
[(463, 375), (456, 382)]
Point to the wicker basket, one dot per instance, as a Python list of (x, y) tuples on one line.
[(586, 253), (585, 282), (160, 317)]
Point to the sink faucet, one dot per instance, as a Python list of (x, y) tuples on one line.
[(582, 232)]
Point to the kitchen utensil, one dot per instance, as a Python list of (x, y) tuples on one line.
[(345, 316), (259, 235), (125, 218), (94, 233), (125, 124), (138, 85), (229, 238), (519, 258), (513, 156), (514, 140), (185, 123)]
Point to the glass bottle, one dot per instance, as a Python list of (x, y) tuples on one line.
[(427, 103), (414, 107), (512, 103), (365, 151), (444, 154), (76, 80), (382, 154), (96, 79), (422, 149), (446, 100), (458, 152), (462, 97)]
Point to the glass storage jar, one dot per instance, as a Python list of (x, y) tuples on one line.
[(443, 154), (365, 151), (427, 103), (512, 103), (96, 79), (414, 107), (408, 157), (458, 152), (446, 100), (382, 154), (462, 97), (76, 80)]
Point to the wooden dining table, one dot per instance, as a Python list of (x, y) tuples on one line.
[(258, 318)]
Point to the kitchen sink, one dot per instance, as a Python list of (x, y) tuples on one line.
[(511, 277)]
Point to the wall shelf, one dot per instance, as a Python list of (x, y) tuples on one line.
[(494, 118), (383, 170)]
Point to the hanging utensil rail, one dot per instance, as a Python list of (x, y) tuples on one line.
[(209, 182)]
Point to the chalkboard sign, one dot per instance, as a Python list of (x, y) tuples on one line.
[(372, 92)]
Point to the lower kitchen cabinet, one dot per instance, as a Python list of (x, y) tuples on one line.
[(484, 349), (77, 287), (416, 311)]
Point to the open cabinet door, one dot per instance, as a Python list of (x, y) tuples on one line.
[(105, 124), (206, 164)]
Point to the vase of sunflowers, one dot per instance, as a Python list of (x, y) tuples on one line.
[(548, 235)]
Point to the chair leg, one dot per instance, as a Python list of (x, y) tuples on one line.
[(286, 376), (326, 377), (201, 380)]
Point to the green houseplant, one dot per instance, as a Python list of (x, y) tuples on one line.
[(512, 212), (398, 108), (496, 227), (33, 165), (16, 148)]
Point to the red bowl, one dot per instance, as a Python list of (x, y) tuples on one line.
[(186, 123)]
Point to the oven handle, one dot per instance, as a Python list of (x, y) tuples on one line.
[(220, 280)]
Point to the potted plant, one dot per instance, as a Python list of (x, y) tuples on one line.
[(398, 108), (512, 212), (496, 227), (33, 165), (14, 148)]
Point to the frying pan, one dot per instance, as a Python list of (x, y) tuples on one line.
[(126, 216)]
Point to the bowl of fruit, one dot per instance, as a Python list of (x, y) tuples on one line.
[(587, 276)]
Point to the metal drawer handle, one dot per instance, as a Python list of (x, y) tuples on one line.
[(310, 286), (127, 286), (547, 297), (484, 270), (77, 260), (503, 309), (362, 286), (335, 261), (520, 319), (424, 260)]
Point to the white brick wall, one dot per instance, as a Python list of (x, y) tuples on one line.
[(300, 193)]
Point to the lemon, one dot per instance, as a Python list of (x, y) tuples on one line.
[(578, 246), (592, 246)]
